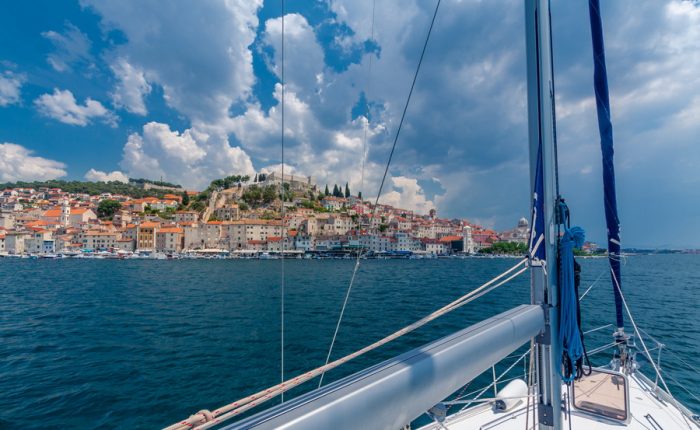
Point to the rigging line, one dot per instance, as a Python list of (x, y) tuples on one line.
[(205, 419), (265, 395), (597, 329), (282, 195), (641, 340), (362, 185), (386, 170), (367, 113), (682, 386), (408, 101), (593, 284), (689, 366)]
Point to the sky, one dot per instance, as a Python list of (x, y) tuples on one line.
[(190, 91)]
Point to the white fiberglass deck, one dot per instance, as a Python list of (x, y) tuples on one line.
[(647, 411)]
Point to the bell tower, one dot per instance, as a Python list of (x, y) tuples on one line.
[(65, 213)]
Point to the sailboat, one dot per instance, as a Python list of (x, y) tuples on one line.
[(560, 389)]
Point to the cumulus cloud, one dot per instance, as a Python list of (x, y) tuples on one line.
[(199, 55), (304, 63), (70, 47), (18, 163), (466, 125), (10, 84), (100, 176), (407, 194), (131, 87), (191, 158), (62, 106)]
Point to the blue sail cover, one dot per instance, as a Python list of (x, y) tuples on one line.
[(537, 246), (602, 99)]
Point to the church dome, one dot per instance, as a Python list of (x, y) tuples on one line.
[(523, 222)]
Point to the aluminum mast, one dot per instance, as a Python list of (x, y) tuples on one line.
[(544, 227)]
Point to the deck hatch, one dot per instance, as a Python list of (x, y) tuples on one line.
[(603, 393)]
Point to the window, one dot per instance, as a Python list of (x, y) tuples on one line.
[(603, 393)]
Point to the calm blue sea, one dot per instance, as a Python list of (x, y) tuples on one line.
[(140, 344)]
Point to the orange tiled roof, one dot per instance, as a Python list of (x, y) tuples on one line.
[(450, 238), (52, 213), (170, 230)]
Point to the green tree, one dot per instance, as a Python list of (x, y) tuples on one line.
[(256, 178), (243, 206), (197, 206), (185, 199), (347, 190), (506, 248), (359, 195), (326, 193), (107, 208)]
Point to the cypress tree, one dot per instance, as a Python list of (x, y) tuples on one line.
[(327, 193), (347, 190)]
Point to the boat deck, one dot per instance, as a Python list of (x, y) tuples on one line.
[(647, 411)]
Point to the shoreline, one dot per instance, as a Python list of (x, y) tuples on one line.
[(253, 256)]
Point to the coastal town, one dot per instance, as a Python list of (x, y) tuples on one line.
[(237, 216)]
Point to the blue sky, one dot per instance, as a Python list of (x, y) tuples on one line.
[(189, 91)]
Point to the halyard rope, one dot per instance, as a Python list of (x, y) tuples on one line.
[(203, 419), (359, 219), (386, 171)]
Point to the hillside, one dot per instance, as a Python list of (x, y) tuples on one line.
[(95, 188)]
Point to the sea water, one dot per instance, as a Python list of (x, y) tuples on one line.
[(141, 344)]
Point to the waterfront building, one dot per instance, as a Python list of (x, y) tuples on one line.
[(257, 245), (124, 244), (14, 241), (69, 216), (435, 247), (170, 239), (211, 234), (193, 236), (98, 240), (146, 236), (304, 242)]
